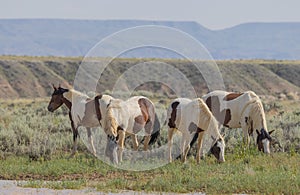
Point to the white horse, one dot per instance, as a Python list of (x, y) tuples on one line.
[(241, 110), (85, 112), (130, 117), (193, 117)]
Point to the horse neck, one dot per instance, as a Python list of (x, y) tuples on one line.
[(214, 128), (67, 103), (209, 121)]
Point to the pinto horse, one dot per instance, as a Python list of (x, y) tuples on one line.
[(192, 117), (87, 112), (129, 118), (241, 110)]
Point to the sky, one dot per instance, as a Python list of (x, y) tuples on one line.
[(213, 14)]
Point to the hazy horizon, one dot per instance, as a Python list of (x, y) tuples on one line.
[(213, 14)]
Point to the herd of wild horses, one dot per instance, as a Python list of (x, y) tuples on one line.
[(193, 118)]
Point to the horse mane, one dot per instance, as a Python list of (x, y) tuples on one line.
[(207, 119), (111, 125), (252, 94), (78, 94), (115, 103), (72, 93), (257, 113)]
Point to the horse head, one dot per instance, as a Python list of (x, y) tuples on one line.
[(57, 98), (218, 149), (263, 140)]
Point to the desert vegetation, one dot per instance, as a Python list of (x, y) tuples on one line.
[(35, 144)]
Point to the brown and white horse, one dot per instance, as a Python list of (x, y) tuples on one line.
[(241, 110), (192, 117), (129, 118), (86, 112)]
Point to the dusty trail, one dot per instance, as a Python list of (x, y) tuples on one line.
[(10, 187)]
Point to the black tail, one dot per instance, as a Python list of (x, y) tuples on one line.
[(194, 139), (156, 131)]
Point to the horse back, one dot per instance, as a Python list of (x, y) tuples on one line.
[(227, 107), (174, 111), (134, 113)]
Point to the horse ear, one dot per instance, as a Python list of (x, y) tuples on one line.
[(257, 132), (65, 90), (59, 85), (54, 87), (270, 132)]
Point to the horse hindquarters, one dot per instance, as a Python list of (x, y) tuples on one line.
[(152, 125)]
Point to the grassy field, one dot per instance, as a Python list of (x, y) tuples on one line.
[(255, 173), (35, 145)]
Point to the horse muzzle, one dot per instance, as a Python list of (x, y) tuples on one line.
[(267, 152), (221, 160), (50, 109)]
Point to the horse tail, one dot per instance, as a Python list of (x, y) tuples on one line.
[(156, 131), (194, 139)]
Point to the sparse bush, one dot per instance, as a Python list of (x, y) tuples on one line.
[(29, 129), (8, 141)]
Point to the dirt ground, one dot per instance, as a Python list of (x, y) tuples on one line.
[(10, 187)]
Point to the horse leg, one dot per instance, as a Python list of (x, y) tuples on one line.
[(89, 133), (185, 147), (121, 135), (75, 136), (186, 151), (199, 146), (170, 142), (148, 129), (135, 142), (246, 137), (146, 142)]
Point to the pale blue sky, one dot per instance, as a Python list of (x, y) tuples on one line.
[(213, 14)]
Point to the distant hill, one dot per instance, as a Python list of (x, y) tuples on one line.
[(29, 77), (58, 37)]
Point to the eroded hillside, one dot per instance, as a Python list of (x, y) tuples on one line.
[(29, 77)]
